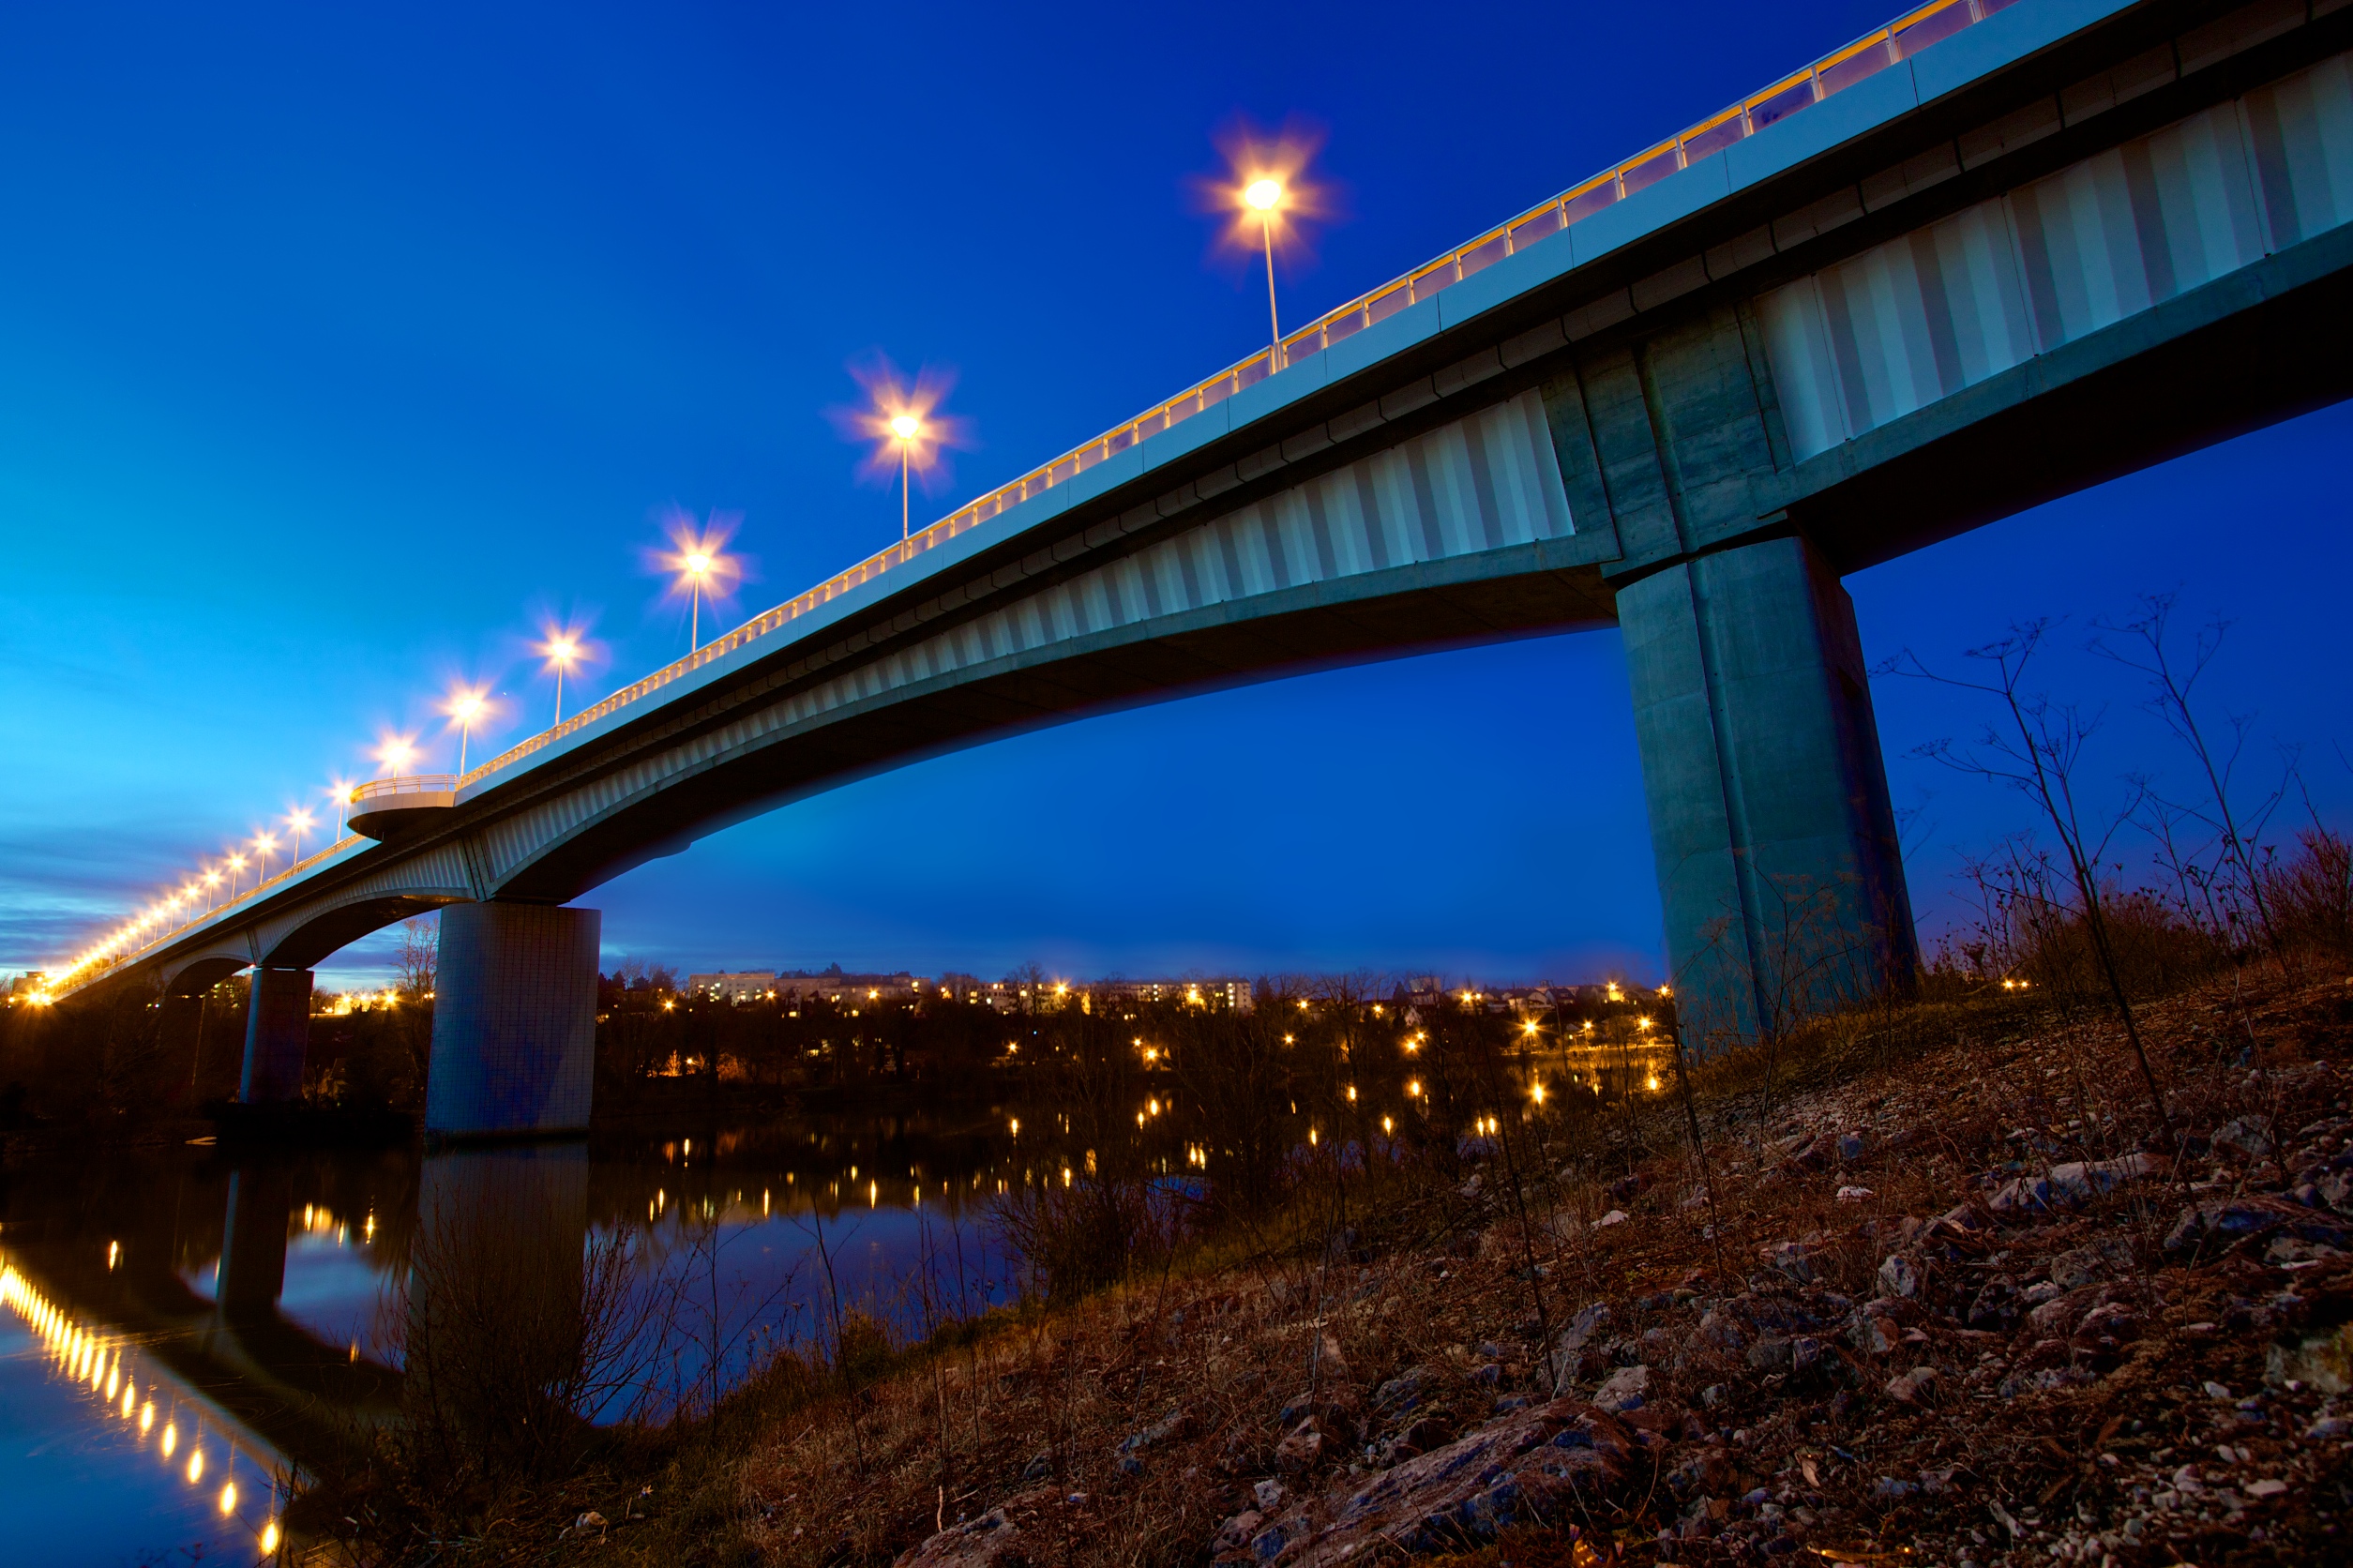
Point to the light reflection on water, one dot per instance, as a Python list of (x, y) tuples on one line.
[(259, 1303), (89, 1415), (267, 1303)]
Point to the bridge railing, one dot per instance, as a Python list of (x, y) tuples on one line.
[(1841, 69), (1864, 58), (407, 784), (73, 979)]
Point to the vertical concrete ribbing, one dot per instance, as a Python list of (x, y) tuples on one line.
[(514, 1020)]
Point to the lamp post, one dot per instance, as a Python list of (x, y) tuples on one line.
[(561, 651), (300, 822), (342, 792), (395, 753), (264, 845), (211, 880), (464, 706), (236, 875), (1266, 197), (905, 427), (698, 566)]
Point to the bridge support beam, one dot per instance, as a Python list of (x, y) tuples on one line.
[(1780, 875), (276, 1036), (514, 1021)]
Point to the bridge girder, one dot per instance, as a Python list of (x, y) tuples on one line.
[(1639, 333)]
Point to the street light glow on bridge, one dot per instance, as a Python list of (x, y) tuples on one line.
[(1264, 190)]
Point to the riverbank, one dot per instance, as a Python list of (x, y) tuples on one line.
[(1959, 1306)]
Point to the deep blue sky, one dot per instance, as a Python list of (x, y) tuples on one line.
[(338, 343)]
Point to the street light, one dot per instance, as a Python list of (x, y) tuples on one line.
[(395, 752), (342, 790), (300, 821), (266, 845), (236, 875), (905, 427), (1264, 196), (561, 649), (698, 566), (903, 418), (212, 879), (465, 707)]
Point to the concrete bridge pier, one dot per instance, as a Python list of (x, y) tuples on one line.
[(514, 1021), (1780, 874), (276, 1036)]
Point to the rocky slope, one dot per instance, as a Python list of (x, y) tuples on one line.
[(1977, 1307)]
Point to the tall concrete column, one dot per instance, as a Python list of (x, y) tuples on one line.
[(514, 1021), (1779, 871), (276, 1036)]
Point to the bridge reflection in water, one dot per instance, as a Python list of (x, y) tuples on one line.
[(181, 1330), (193, 1320)]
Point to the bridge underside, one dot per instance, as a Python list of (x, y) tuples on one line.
[(2260, 347), (1205, 650), (2123, 243)]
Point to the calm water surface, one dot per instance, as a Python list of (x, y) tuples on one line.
[(180, 1327)]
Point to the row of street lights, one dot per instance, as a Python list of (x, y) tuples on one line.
[(903, 421)]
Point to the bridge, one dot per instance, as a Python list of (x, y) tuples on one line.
[(1985, 255)]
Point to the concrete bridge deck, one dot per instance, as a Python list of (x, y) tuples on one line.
[(1976, 260)]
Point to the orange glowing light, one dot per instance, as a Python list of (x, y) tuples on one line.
[(699, 562), (466, 707), (564, 647), (901, 419)]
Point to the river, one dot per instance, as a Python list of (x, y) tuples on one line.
[(180, 1327), (183, 1329)]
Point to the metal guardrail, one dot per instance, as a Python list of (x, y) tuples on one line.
[(407, 784), (68, 981), (1833, 72)]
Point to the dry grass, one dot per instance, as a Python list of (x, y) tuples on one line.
[(1032, 1408)]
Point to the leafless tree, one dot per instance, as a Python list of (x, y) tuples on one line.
[(2143, 642), (2036, 748)]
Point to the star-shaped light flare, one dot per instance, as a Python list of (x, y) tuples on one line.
[(562, 648), (698, 563), (903, 418), (467, 706), (1266, 195)]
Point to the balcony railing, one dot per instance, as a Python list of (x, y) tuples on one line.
[(1866, 56), (407, 784)]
